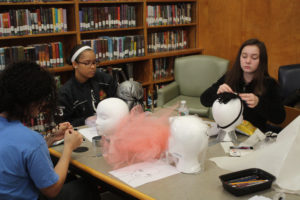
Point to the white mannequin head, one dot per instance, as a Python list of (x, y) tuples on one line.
[(109, 113), (188, 143), (227, 112)]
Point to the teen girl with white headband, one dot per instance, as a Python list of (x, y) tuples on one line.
[(78, 97)]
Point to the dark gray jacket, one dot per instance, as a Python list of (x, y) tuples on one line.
[(77, 101)]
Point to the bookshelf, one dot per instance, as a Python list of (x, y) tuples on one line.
[(171, 20)]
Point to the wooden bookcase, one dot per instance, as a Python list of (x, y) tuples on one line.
[(143, 65)]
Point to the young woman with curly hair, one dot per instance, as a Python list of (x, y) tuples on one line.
[(26, 169)]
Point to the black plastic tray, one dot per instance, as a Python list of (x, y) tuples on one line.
[(228, 179)]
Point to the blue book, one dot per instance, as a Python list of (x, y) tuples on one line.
[(109, 47), (2, 59), (61, 55), (80, 20)]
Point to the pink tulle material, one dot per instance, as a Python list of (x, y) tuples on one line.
[(138, 137)]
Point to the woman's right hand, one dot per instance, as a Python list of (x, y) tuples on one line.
[(72, 139), (224, 88)]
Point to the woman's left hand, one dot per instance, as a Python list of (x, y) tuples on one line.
[(250, 99)]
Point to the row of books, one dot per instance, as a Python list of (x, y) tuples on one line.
[(167, 41), (169, 14), (46, 55), (111, 48), (21, 1), (33, 21), (120, 72), (95, 0), (163, 68), (93, 18)]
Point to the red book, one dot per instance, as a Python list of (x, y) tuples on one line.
[(54, 62), (118, 17), (95, 17), (57, 54), (173, 14), (38, 11), (6, 23), (47, 59)]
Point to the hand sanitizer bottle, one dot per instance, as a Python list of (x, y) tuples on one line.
[(183, 109)]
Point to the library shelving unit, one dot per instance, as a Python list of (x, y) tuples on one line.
[(168, 28)]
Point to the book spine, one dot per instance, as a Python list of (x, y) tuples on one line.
[(65, 22), (43, 55), (47, 56), (57, 18), (53, 24), (92, 20), (81, 26), (2, 61), (50, 57), (57, 54), (95, 18), (48, 20), (54, 61), (61, 56), (4, 22), (99, 16)]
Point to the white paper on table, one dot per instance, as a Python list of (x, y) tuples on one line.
[(58, 142), (258, 197), (141, 173), (280, 158), (88, 133)]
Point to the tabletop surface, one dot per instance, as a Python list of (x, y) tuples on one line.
[(204, 185)]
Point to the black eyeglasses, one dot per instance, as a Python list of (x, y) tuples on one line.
[(88, 64)]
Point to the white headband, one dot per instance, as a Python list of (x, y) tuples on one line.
[(79, 52)]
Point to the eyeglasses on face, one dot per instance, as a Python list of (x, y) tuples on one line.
[(88, 63)]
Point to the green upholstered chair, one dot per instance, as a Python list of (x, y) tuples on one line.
[(193, 75)]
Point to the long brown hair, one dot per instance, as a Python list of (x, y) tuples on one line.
[(234, 76)]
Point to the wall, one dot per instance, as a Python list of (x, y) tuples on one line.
[(225, 24)]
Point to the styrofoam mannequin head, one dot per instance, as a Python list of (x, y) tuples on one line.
[(109, 113), (228, 113), (188, 143), (132, 93)]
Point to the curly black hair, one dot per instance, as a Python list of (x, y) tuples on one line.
[(25, 87)]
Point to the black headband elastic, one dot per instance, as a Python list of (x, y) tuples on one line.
[(223, 127)]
